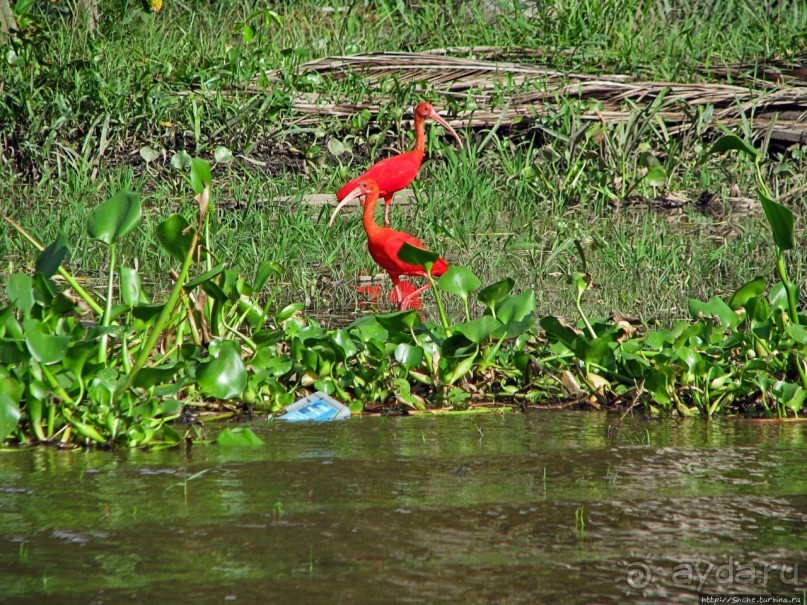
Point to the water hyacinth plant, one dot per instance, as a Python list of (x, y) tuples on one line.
[(123, 370)]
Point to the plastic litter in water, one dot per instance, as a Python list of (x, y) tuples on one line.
[(318, 407)]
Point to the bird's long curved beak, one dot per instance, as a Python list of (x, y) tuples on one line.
[(439, 119), (353, 195)]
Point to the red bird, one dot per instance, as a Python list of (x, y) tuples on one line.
[(385, 243), (396, 173)]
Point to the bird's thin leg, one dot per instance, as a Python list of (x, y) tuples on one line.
[(387, 204), (410, 296), (396, 291)]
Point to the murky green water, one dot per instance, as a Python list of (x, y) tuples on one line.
[(416, 510)]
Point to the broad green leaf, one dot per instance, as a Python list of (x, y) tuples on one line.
[(778, 295), (461, 369), (370, 329), (658, 385), (287, 311), (516, 308), (181, 160), (224, 376), (9, 416), (751, 289), (200, 175), (336, 147), (418, 256), (558, 331), (780, 218), (10, 351), (758, 308), (716, 307), (20, 290), (222, 155), (267, 359), (492, 294), (247, 33), (130, 286), (656, 175), (49, 260), (168, 407), (149, 154), (45, 348), (399, 321), (404, 392), (478, 330), (266, 269), (789, 395), (115, 218), (458, 346), (242, 437), (692, 359), (459, 281), (148, 377), (11, 386), (597, 350), (206, 276), (581, 281), (175, 236), (796, 332), (409, 356), (344, 343), (77, 356), (731, 142)]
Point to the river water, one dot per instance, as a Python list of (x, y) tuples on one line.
[(547, 507)]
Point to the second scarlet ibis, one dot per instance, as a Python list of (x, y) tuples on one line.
[(396, 173), (385, 243)]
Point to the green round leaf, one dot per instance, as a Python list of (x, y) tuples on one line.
[(45, 348), (149, 154), (174, 236), (225, 376), (730, 142), (408, 356), (479, 329), (716, 307), (459, 281), (181, 160), (222, 155), (492, 294), (9, 415), (516, 308), (751, 289), (780, 218), (129, 286), (418, 256), (266, 269), (200, 175), (20, 290), (238, 438), (336, 147), (115, 218), (49, 260)]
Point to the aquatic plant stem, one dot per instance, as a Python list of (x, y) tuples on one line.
[(440, 309), (173, 298), (62, 271), (105, 318)]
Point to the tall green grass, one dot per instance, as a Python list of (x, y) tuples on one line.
[(79, 107)]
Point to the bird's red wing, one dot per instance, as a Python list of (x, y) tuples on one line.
[(391, 174), (385, 250)]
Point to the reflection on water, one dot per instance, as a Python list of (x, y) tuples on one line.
[(416, 510)]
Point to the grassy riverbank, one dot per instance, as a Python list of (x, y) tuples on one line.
[(579, 205)]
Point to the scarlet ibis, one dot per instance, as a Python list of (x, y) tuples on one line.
[(396, 173), (385, 243)]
